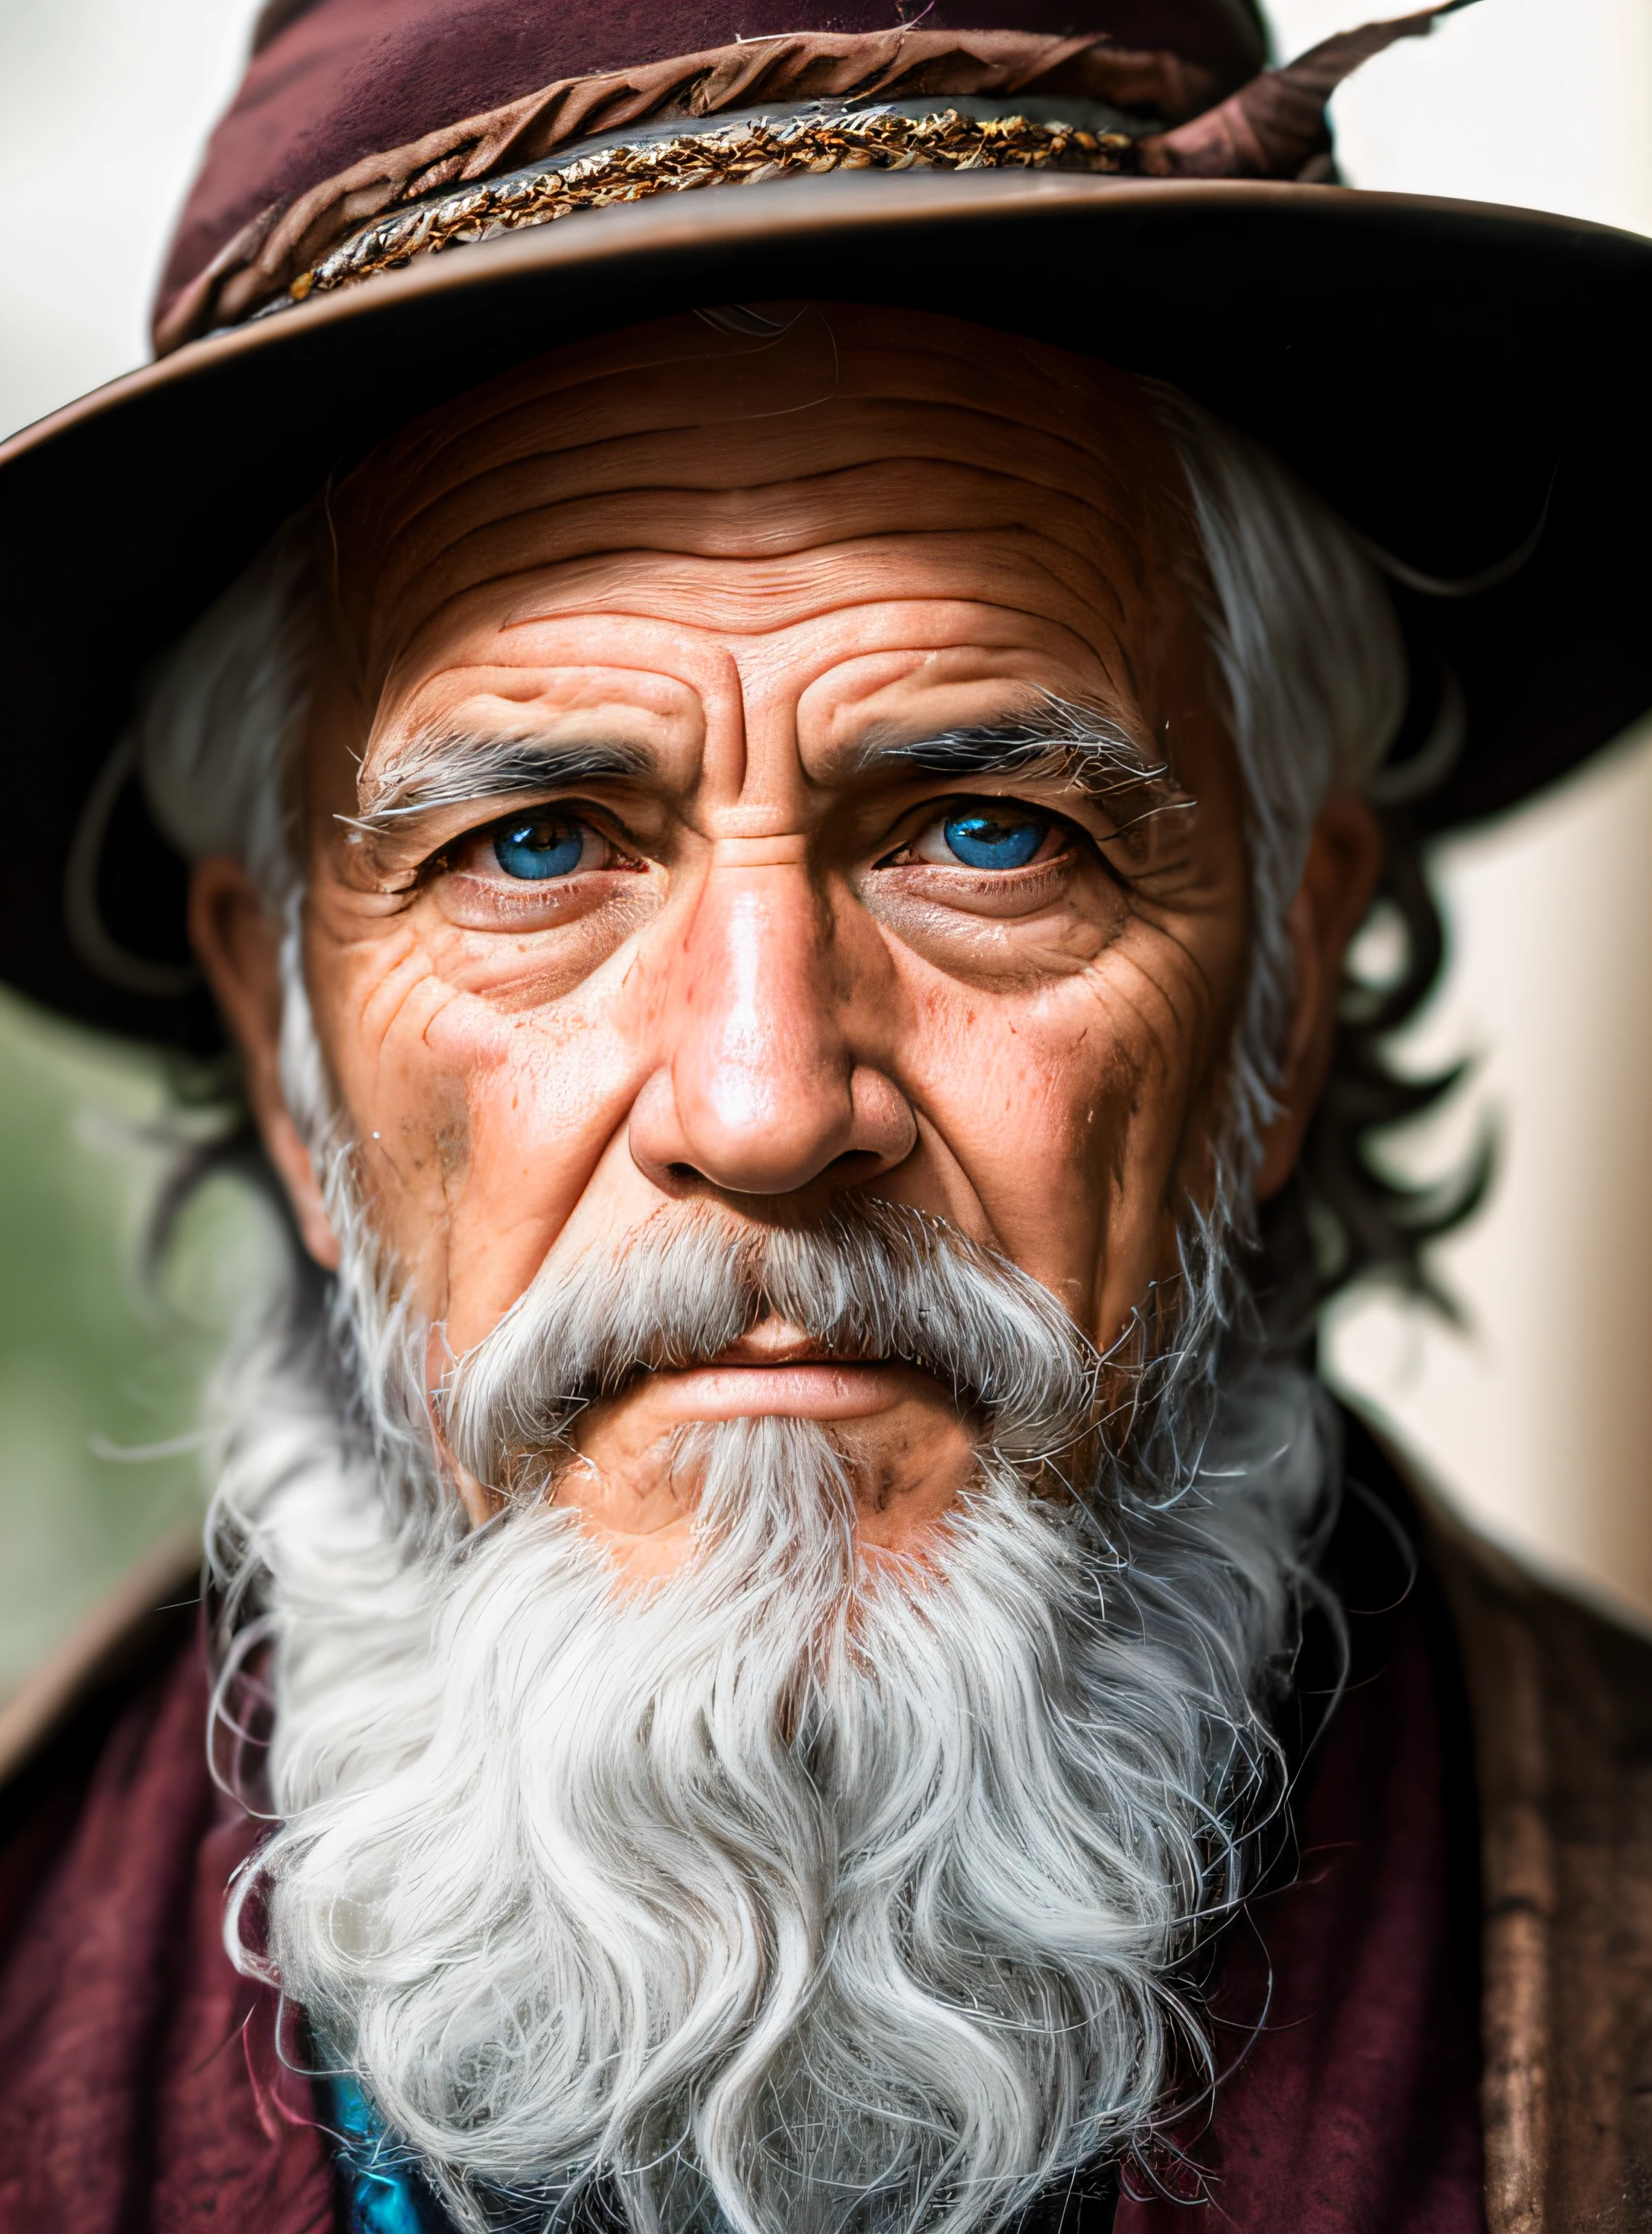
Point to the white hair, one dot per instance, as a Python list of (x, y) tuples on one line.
[(1310, 654), (221, 716)]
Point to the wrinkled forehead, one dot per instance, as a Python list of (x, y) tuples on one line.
[(564, 484)]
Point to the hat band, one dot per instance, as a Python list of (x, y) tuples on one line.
[(745, 151)]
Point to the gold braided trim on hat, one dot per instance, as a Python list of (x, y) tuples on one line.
[(746, 155)]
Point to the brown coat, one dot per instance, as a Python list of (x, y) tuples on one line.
[(1561, 1702)]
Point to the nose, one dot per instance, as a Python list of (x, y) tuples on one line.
[(762, 1090)]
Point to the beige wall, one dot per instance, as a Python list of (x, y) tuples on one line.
[(1537, 1419), (1539, 1416), (104, 106)]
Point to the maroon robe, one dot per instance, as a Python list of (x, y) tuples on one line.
[(141, 2092)]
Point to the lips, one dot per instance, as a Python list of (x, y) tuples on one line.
[(776, 1369)]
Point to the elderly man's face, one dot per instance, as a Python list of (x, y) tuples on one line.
[(668, 839)]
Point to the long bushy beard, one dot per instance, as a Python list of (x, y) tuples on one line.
[(791, 1893)]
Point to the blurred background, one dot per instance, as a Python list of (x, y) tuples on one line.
[(1534, 1415)]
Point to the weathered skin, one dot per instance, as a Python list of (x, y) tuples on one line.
[(770, 979)]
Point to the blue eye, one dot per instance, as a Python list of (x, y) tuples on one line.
[(540, 846), (983, 840)]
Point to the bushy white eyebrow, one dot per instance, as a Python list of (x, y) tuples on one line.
[(1086, 751), (454, 768), (1057, 741)]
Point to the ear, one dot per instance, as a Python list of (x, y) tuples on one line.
[(238, 944), (1344, 861)]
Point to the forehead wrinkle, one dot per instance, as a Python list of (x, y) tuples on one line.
[(1076, 441), (985, 411), (604, 367), (745, 524), (878, 356), (1072, 404), (768, 467), (487, 428), (592, 380), (764, 596), (761, 458)]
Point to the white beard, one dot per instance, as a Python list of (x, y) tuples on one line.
[(788, 1896)]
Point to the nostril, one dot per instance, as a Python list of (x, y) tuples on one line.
[(857, 1164), (701, 1123)]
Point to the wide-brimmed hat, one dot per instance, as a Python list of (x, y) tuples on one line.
[(409, 196)]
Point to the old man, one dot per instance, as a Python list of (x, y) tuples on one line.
[(792, 1643)]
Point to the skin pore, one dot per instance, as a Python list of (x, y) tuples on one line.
[(677, 829)]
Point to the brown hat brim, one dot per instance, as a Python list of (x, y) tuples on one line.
[(1447, 375)]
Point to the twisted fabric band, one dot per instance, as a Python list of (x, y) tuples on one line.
[(745, 154)]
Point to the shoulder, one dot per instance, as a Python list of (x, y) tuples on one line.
[(147, 1616), (119, 2103), (112, 1675)]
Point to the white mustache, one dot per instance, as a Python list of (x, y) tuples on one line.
[(874, 1280)]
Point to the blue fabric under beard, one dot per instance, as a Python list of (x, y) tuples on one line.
[(383, 2194)]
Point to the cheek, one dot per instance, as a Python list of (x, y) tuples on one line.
[(547, 1093), (478, 1128), (1023, 1092), (1065, 1114)]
